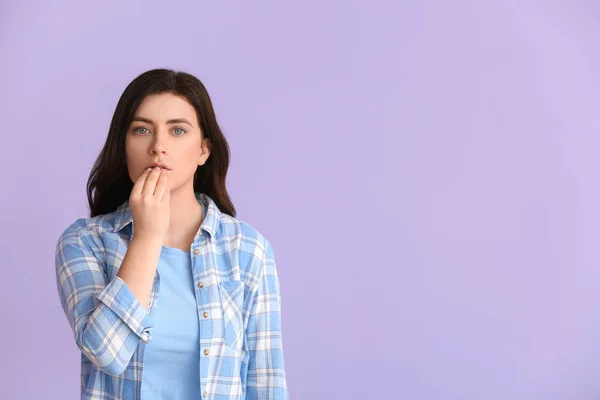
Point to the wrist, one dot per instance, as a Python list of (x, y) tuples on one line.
[(147, 238)]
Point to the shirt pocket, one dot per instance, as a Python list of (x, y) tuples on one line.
[(232, 303)]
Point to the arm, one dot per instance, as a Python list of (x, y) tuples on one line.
[(107, 319), (266, 378)]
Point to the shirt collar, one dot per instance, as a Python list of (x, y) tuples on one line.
[(210, 221)]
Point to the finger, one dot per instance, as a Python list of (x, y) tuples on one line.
[(139, 183), (162, 185), (150, 183), (167, 196)]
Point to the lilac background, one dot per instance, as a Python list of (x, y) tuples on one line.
[(426, 171)]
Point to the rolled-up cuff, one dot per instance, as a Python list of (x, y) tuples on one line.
[(119, 298)]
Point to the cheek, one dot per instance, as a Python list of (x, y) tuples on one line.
[(133, 151), (187, 158), (135, 166)]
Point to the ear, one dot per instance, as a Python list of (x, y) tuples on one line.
[(204, 151)]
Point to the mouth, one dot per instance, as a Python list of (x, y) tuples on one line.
[(162, 166)]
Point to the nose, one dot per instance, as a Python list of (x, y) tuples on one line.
[(158, 145)]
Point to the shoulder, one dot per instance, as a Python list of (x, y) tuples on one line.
[(249, 238), (86, 232)]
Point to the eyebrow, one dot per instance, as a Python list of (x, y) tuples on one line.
[(171, 121)]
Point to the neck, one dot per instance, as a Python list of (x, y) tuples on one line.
[(185, 220)]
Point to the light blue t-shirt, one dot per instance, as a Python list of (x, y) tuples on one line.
[(172, 358)]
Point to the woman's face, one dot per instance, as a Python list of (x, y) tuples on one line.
[(165, 129)]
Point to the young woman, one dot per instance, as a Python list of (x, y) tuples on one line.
[(169, 296)]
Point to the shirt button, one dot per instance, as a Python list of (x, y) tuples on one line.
[(204, 394), (205, 352), (196, 252), (200, 285), (205, 315)]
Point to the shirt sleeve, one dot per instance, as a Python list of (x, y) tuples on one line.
[(266, 378), (106, 318)]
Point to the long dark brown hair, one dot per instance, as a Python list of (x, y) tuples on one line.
[(109, 184)]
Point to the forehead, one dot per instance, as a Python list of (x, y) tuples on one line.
[(165, 106)]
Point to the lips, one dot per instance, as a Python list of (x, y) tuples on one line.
[(161, 165)]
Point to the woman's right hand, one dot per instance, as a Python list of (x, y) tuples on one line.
[(150, 203)]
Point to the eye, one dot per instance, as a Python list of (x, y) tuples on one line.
[(138, 130), (178, 131)]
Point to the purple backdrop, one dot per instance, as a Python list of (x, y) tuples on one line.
[(427, 172)]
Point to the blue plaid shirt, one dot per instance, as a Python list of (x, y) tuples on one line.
[(237, 294)]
